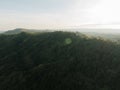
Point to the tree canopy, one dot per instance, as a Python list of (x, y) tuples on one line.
[(58, 61)]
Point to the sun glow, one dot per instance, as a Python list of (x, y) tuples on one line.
[(106, 12)]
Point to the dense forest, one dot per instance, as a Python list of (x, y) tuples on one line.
[(58, 61)]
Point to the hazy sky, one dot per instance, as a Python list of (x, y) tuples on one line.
[(39, 14)]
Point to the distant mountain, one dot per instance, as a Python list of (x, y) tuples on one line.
[(19, 30), (109, 36), (88, 32), (1, 32)]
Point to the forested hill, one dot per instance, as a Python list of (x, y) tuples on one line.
[(58, 61)]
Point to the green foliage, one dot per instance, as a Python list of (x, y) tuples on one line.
[(58, 61)]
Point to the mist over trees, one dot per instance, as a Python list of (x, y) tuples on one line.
[(58, 61)]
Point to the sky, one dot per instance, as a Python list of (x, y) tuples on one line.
[(49, 14)]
